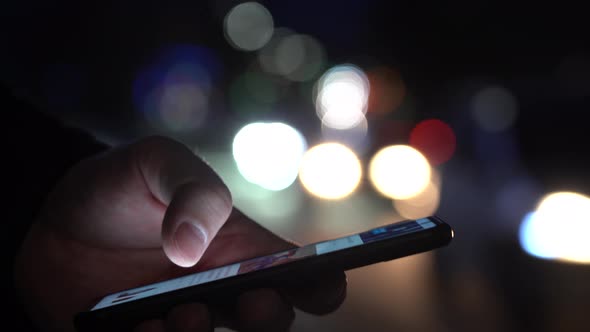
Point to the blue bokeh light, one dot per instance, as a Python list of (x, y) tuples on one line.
[(173, 91)]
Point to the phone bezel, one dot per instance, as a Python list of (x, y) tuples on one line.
[(126, 315)]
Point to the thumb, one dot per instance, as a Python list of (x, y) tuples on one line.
[(193, 218), (198, 202)]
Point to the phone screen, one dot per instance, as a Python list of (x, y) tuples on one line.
[(264, 262)]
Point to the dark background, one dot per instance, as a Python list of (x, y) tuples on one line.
[(78, 61)]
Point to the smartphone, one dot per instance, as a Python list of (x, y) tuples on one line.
[(123, 310)]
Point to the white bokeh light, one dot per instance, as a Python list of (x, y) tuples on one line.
[(342, 95), (330, 171), (248, 26), (399, 172), (559, 228), (269, 154)]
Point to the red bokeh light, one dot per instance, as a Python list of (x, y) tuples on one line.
[(435, 139)]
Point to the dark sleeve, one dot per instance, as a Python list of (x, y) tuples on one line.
[(37, 151)]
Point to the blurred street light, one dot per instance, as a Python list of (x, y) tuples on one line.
[(248, 26), (269, 154), (330, 171), (342, 95), (559, 228), (399, 172)]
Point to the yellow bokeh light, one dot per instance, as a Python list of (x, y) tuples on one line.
[(422, 205), (399, 172), (330, 171), (559, 228)]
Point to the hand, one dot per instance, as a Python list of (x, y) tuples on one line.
[(144, 213)]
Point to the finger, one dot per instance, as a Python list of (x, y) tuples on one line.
[(264, 310), (193, 218), (198, 202), (241, 238), (321, 296), (189, 317), (153, 325)]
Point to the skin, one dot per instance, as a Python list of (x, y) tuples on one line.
[(143, 213)]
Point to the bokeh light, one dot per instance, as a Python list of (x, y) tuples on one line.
[(388, 90), (435, 139), (248, 26), (296, 57), (423, 204), (174, 91), (494, 109), (330, 171), (342, 95), (399, 172), (269, 154), (183, 103), (267, 56), (559, 228), (299, 57)]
